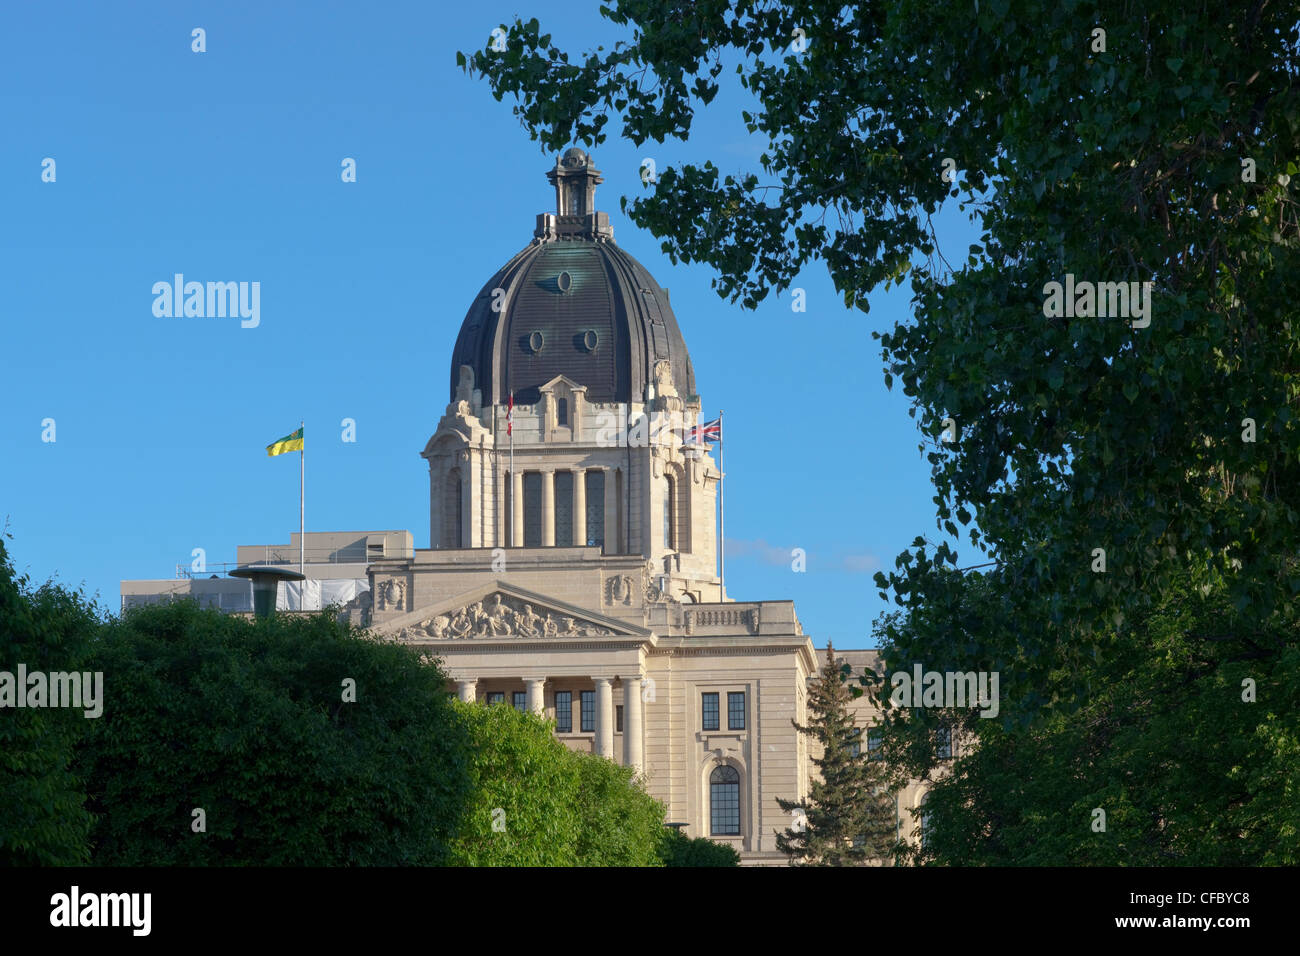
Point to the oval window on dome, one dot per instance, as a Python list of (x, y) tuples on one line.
[(590, 340), (564, 281), (535, 342)]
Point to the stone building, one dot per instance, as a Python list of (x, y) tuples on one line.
[(573, 560)]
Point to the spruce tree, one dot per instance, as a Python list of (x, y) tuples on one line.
[(848, 818)]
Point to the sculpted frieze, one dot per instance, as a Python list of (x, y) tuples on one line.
[(502, 616)]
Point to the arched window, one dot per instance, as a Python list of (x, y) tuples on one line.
[(562, 412), (925, 821), (724, 801)]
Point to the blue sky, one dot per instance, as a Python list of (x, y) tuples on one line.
[(225, 165)]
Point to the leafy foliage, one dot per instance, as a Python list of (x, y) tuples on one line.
[(245, 719), (537, 803), (1186, 770), (1112, 142), (848, 818), (43, 817), (677, 849)]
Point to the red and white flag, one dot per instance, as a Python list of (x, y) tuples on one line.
[(510, 415)]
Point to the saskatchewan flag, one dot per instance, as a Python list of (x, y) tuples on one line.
[(287, 443)]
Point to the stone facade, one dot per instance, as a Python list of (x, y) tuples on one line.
[(574, 567), (573, 561)]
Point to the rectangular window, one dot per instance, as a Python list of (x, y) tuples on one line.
[(736, 711), (596, 508), (618, 719), (564, 509), (564, 711), (875, 743), (520, 699), (855, 746), (532, 509), (943, 743), (588, 711), (710, 709), (496, 697)]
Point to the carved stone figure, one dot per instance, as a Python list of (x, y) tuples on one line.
[(619, 590), (650, 580), (500, 618), (664, 386), (391, 595), (465, 384), (495, 617), (527, 622), (478, 619), (460, 625)]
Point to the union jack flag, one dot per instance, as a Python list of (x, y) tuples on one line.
[(703, 434)]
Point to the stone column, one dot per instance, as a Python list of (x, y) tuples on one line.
[(633, 745), (548, 509), (467, 690), (612, 543), (604, 718), (579, 508), (517, 510), (536, 700)]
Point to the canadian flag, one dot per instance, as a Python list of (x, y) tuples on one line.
[(510, 414)]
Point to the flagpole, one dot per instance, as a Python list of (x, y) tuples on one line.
[(510, 430), (722, 519), (302, 504)]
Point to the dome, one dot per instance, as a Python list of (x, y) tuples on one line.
[(571, 303)]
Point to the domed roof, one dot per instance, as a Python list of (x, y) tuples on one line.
[(571, 303)]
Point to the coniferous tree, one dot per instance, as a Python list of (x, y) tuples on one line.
[(848, 818)]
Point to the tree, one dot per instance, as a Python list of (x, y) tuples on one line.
[(677, 849), (289, 741), (537, 803), (1103, 459), (1178, 754), (848, 818), (43, 817), (620, 824)]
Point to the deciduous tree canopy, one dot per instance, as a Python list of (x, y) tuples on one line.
[(1110, 461)]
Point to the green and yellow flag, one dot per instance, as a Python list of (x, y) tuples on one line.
[(287, 443)]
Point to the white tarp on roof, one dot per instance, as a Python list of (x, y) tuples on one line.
[(314, 594)]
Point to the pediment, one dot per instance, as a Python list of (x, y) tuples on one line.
[(564, 380), (500, 611)]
